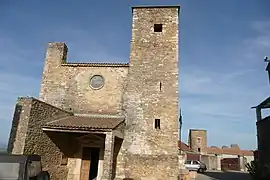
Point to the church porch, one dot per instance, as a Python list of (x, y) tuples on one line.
[(91, 148)]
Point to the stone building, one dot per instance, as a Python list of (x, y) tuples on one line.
[(263, 131), (214, 157), (198, 140), (108, 120)]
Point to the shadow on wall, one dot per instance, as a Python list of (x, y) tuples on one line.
[(228, 175), (14, 126), (117, 146)]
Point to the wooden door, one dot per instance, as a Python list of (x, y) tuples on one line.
[(86, 162)]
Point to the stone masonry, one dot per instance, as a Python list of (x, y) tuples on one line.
[(144, 145), (26, 136), (66, 85), (198, 140), (152, 93)]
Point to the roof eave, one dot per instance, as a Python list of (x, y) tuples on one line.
[(264, 104), (74, 129)]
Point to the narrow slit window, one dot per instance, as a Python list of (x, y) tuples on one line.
[(157, 123), (199, 140), (160, 86), (157, 27)]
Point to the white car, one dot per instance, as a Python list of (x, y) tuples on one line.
[(194, 165)]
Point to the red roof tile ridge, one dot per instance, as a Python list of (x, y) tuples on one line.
[(246, 151), (229, 151)]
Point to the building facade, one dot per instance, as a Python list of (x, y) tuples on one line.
[(108, 120), (263, 131), (198, 140), (224, 158)]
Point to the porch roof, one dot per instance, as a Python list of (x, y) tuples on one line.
[(76, 122), (264, 105)]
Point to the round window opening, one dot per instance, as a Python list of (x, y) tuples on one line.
[(97, 82)]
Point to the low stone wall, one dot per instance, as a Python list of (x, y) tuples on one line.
[(138, 167), (210, 161)]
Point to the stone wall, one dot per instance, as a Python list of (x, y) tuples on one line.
[(19, 126), (149, 167), (152, 93), (213, 161), (30, 115), (66, 85), (198, 140), (210, 161)]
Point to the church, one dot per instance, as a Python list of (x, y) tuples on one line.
[(108, 121)]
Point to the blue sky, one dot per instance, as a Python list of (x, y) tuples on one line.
[(222, 45)]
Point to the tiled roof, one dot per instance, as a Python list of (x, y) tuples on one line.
[(85, 123), (96, 64), (214, 150), (183, 146), (229, 151)]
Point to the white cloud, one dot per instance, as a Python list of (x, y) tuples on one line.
[(85, 47), (220, 94), (257, 46), (196, 80), (220, 100), (262, 27), (233, 137)]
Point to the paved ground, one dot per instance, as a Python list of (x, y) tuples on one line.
[(219, 175)]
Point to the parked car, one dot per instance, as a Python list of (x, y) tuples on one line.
[(194, 165), (22, 167)]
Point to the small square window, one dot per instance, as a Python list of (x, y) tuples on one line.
[(157, 123), (157, 27)]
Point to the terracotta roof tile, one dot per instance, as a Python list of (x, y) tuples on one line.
[(247, 152), (214, 150), (183, 146), (230, 151), (86, 123)]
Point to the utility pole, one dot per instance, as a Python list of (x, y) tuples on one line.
[(180, 129)]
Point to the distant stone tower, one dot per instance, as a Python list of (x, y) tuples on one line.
[(151, 98), (198, 140)]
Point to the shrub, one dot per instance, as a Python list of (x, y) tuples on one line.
[(257, 172)]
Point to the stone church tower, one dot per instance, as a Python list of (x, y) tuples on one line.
[(108, 120), (198, 140), (151, 97)]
